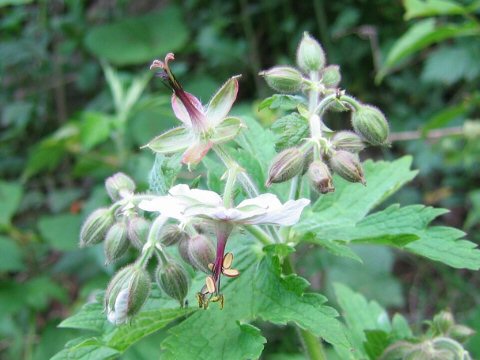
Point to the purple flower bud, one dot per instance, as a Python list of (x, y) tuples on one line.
[(320, 176), (285, 166), (347, 165), (172, 234), (198, 251)]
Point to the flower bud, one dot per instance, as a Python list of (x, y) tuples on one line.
[(137, 231), (126, 293), (320, 176), (198, 251), (331, 76), (461, 333), (310, 55), (285, 166), (96, 226), (284, 79), (173, 280), (119, 185), (371, 124), (116, 242), (172, 234), (443, 321), (348, 140), (347, 165)]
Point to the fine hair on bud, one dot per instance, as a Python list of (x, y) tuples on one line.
[(95, 227), (370, 123), (116, 242), (119, 185), (284, 79), (331, 76), (320, 177), (310, 55), (347, 165), (347, 140), (285, 165), (172, 278), (172, 234), (137, 230), (127, 292), (197, 251)]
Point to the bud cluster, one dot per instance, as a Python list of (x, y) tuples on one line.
[(324, 152)]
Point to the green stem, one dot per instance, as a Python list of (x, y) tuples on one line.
[(153, 236), (261, 235), (326, 101), (311, 343), (232, 173)]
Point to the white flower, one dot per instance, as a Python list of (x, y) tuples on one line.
[(183, 203), (119, 314)]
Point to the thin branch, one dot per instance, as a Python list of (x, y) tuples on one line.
[(431, 135)]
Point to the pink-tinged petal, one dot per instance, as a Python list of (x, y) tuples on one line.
[(180, 111), (196, 152), (222, 102), (286, 215)]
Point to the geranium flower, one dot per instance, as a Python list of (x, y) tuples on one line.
[(203, 126), (183, 203)]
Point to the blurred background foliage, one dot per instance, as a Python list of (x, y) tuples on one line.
[(77, 102)]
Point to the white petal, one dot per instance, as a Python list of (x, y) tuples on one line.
[(287, 214), (118, 315), (166, 205), (265, 201), (195, 196)]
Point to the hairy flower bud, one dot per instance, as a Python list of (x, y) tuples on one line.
[(198, 251), (347, 140), (173, 280), (310, 55), (116, 242), (371, 124), (172, 234), (347, 165), (320, 176), (126, 293), (119, 185), (443, 321), (331, 76), (284, 79), (285, 166), (461, 333), (137, 231), (96, 226)]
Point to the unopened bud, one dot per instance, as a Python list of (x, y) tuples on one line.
[(119, 185), (126, 293), (443, 321), (320, 176), (284, 79), (348, 140), (137, 230), (398, 350), (285, 166), (116, 242), (331, 76), (173, 280), (461, 333), (347, 165), (172, 234), (198, 251), (310, 55), (371, 124), (96, 226)]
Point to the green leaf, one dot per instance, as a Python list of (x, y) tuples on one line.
[(10, 255), (282, 102), (419, 8), (94, 129), (139, 39), (90, 317), (421, 35), (61, 231), (88, 349), (164, 172), (337, 248), (377, 341), (10, 197), (290, 130), (14, 2)]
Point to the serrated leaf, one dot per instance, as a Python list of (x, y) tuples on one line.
[(282, 102), (88, 349), (290, 130), (377, 341), (10, 197), (421, 35)]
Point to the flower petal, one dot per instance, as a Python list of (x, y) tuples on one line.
[(286, 215), (222, 101), (227, 130), (181, 111), (171, 141), (196, 196), (264, 201), (166, 205), (196, 152)]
